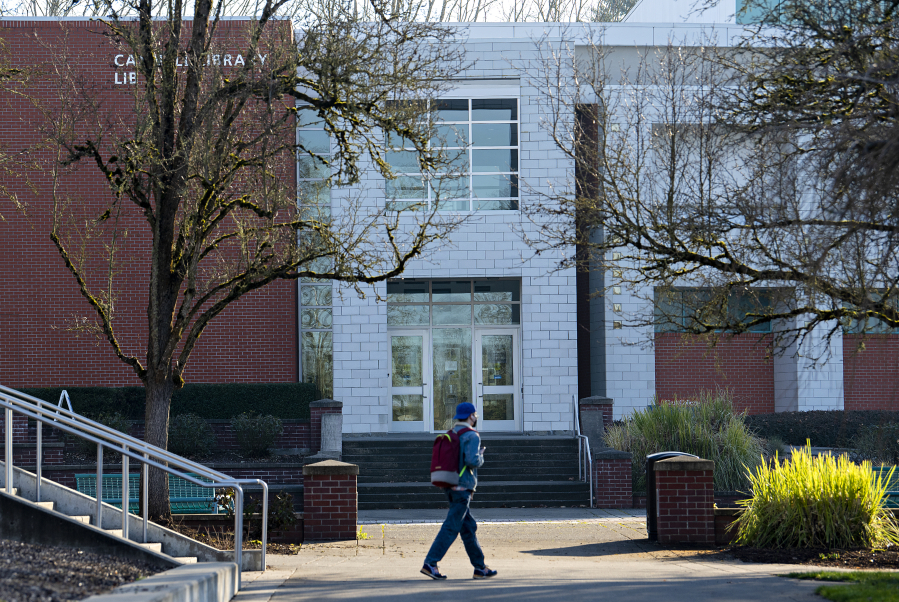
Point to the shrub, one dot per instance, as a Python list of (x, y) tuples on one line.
[(112, 420), (878, 444), (190, 435), (709, 429), (824, 428), (256, 434), (814, 502), (284, 400)]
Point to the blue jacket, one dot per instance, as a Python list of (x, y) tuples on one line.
[(472, 458)]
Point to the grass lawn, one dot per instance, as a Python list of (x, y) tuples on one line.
[(867, 586)]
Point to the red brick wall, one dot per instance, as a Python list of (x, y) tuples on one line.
[(685, 506), (686, 365), (612, 483), (330, 506), (871, 375), (254, 340)]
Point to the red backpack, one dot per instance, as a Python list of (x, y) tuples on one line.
[(445, 459)]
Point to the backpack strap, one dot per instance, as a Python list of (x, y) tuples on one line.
[(461, 455)]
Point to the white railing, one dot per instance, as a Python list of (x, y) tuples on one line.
[(149, 455), (583, 450)]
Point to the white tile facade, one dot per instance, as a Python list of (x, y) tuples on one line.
[(490, 245)]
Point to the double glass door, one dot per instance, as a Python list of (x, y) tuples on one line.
[(434, 370)]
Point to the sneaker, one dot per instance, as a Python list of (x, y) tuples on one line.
[(484, 573), (433, 573)]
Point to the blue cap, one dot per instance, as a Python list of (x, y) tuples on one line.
[(464, 410)]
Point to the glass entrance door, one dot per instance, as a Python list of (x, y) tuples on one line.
[(409, 369), (496, 354)]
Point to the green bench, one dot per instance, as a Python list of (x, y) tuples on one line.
[(892, 494), (185, 497)]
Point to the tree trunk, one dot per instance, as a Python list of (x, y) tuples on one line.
[(159, 390)]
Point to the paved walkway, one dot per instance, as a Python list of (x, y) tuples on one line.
[(555, 554)]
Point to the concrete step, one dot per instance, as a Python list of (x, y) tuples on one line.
[(82, 519), (47, 505), (116, 532), (156, 547), (186, 559)]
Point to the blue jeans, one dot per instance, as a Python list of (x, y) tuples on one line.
[(458, 521)]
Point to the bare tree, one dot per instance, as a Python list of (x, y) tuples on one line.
[(202, 168), (718, 226)]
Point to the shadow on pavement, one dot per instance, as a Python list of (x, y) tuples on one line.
[(562, 588), (605, 548)]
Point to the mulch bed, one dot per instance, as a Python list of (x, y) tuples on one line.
[(35, 573), (852, 559), (224, 540)]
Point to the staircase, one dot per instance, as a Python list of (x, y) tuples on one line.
[(63, 512), (519, 471), (39, 510)]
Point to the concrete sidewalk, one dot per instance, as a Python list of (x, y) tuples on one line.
[(558, 556), (502, 515)]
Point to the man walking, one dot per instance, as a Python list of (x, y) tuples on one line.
[(458, 519)]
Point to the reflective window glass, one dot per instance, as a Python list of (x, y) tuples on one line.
[(499, 185), (451, 110), (452, 314), (497, 290), (451, 290), (450, 136), (407, 291), (501, 109), (406, 187), (494, 134), (317, 142), (407, 315), (494, 159)]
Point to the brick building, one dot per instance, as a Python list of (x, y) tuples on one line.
[(481, 319)]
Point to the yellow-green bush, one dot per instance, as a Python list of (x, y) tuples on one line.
[(816, 502)]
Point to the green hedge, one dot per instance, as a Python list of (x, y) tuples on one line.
[(824, 428), (282, 400)]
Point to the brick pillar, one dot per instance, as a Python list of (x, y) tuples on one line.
[(685, 501), (330, 502), (612, 480), (595, 416), (316, 410)]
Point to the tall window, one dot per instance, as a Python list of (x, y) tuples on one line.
[(314, 199), (480, 137)]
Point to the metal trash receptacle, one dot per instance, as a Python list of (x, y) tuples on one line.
[(651, 497)]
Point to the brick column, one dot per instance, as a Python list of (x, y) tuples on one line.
[(587, 406), (612, 480), (685, 501), (316, 410), (330, 502)]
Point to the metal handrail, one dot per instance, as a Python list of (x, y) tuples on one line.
[(130, 447), (585, 442)]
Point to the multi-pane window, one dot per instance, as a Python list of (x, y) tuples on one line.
[(871, 325), (316, 337), (682, 309), (314, 199), (479, 138), (314, 149), (442, 303)]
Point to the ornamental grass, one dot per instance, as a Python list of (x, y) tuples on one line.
[(817, 502), (708, 428)]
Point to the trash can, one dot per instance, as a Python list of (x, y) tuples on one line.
[(651, 497)]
